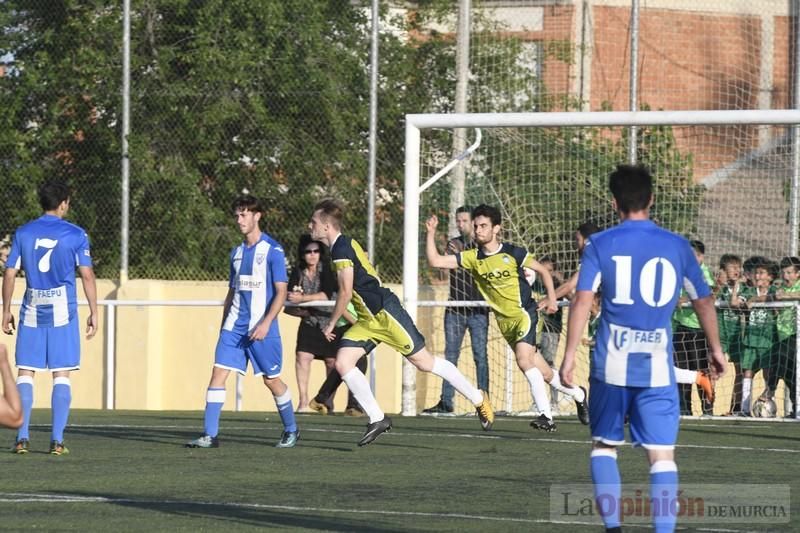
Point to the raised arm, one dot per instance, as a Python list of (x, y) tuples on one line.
[(435, 259)]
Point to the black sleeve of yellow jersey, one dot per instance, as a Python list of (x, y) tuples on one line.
[(517, 253), (342, 254)]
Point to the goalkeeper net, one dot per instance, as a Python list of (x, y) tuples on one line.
[(725, 178)]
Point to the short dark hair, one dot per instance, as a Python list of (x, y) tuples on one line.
[(632, 187), (750, 264), (547, 259), (698, 246), (790, 261), (492, 213), (464, 209), (52, 193), (588, 228), (332, 211), (247, 202), (728, 259), (759, 261)]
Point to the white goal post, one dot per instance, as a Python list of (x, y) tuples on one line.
[(416, 123)]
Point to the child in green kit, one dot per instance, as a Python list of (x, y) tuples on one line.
[(760, 335)]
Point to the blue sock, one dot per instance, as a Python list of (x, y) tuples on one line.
[(664, 495), (607, 485), (25, 388), (215, 399), (284, 404), (60, 401)]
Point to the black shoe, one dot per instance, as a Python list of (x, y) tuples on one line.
[(438, 409), (374, 429), (583, 408), (544, 423)]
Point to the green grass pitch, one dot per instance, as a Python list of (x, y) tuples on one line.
[(129, 471)]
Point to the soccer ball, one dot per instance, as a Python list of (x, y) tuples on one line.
[(765, 408)]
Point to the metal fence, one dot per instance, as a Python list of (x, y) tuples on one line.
[(273, 97)]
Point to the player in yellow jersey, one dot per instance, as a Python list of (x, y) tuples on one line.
[(497, 269), (381, 318)]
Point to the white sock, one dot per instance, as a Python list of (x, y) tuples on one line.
[(448, 372), (536, 380), (575, 392), (747, 386), (359, 386), (685, 376)]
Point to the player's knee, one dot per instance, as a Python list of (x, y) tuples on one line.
[(343, 366), (422, 360)]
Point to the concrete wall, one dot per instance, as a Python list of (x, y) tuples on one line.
[(164, 355)]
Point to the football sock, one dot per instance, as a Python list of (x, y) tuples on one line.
[(359, 386), (575, 392), (607, 485), (685, 376), (284, 404), (60, 400), (215, 399), (536, 381), (747, 387), (25, 388), (664, 495), (448, 372)]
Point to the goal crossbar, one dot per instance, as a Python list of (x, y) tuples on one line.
[(417, 122)]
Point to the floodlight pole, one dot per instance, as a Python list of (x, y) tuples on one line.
[(126, 130), (457, 193), (373, 146), (634, 79)]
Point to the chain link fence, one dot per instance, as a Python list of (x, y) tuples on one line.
[(273, 98)]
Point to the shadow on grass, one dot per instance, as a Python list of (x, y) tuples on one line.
[(237, 515)]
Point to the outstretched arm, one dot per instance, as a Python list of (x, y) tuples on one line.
[(343, 296), (568, 287), (435, 259)]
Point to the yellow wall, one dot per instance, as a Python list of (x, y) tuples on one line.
[(164, 355)]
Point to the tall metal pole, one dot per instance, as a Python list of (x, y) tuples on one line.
[(794, 198), (126, 129), (373, 144), (634, 79), (457, 194)]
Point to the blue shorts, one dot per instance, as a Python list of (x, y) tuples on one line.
[(654, 414), (54, 349), (234, 350)]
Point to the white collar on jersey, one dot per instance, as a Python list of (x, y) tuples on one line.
[(487, 254), (335, 239)]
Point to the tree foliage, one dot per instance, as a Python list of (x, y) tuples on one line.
[(243, 95)]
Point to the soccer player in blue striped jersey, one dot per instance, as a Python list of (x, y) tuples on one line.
[(641, 269), (49, 249), (249, 331)]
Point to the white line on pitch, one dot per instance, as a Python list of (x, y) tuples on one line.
[(22, 497)]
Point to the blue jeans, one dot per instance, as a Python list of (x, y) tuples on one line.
[(456, 323)]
